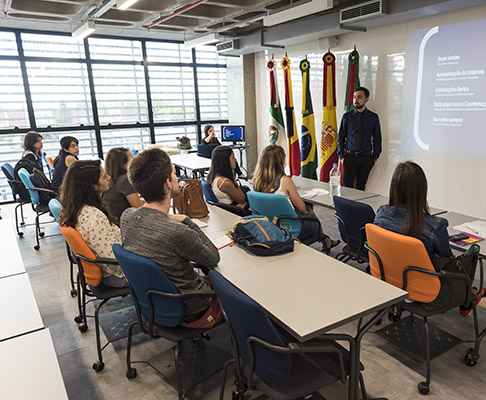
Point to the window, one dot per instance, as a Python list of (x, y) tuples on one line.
[(168, 52), (133, 139), (167, 135), (51, 46), (8, 44), (112, 49), (13, 108), (209, 55), (213, 95)]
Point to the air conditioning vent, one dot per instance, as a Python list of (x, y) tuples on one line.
[(227, 46), (371, 9)]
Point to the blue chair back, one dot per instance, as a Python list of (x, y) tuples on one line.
[(206, 150), (208, 192), (25, 178), (44, 157), (55, 208), (248, 318), (273, 206), (9, 173), (143, 275), (355, 216)]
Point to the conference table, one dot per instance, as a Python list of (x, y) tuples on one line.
[(377, 201), (192, 162), (12, 263), (306, 292), (456, 219)]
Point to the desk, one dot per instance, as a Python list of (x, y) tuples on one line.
[(12, 263), (191, 161), (459, 219), (19, 313), (377, 201), (29, 368)]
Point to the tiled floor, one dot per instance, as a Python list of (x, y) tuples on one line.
[(384, 374)]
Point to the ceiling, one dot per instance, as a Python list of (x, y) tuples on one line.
[(232, 19)]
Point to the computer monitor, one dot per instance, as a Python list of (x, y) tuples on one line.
[(232, 133)]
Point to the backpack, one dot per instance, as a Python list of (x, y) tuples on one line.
[(190, 199), (37, 177), (262, 238)]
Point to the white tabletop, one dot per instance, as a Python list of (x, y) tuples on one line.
[(455, 219), (19, 313), (191, 161), (29, 368), (377, 201), (12, 263)]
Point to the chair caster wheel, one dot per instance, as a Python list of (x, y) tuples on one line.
[(471, 358), (98, 366), (21, 234), (74, 293), (36, 247), (83, 328), (22, 224), (42, 234), (236, 395), (78, 319), (423, 388), (131, 373)]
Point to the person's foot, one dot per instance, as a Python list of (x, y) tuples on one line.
[(479, 296), (242, 176), (329, 244)]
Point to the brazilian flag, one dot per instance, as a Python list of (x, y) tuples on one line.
[(308, 140)]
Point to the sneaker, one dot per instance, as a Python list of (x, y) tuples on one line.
[(467, 311)]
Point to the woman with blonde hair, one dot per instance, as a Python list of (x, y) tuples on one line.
[(270, 177)]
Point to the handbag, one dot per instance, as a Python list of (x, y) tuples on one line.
[(183, 143), (190, 200)]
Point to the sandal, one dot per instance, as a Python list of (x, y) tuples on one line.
[(479, 297)]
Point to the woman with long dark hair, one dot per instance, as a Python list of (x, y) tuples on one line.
[(121, 195), (67, 155), (33, 148), (83, 210), (222, 179), (270, 177)]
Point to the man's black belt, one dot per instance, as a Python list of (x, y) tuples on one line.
[(359, 153)]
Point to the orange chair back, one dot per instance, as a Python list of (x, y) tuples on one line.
[(92, 271), (398, 252), (50, 161)]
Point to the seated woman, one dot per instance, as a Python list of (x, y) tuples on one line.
[(33, 149), (269, 177), (121, 195), (83, 210), (407, 213), (222, 179), (67, 155)]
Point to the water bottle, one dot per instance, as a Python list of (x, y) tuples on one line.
[(335, 181)]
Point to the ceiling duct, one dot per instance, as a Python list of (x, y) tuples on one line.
[(227, 46), (370, 9)]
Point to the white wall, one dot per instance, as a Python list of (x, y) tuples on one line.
[(455, 182)]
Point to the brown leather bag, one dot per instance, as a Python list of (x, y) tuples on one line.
[(190, 200)]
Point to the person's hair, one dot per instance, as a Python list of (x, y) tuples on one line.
[(220, 165), (148, 173), (206, 130), (30, 139), (78, 190), (115, 163), (409, 188), (364, 90), (270, 167), (65, 143)]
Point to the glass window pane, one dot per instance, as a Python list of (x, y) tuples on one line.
[(8, 44), (87, 143), (167, 135), (213, 94), (60, 93), (120, 93), (10, 152), (172, 91), (209, 55), (114, 49), (51, 46), (134, 139), (13, 107), (168, 52)]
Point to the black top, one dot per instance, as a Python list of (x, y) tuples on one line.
[(116, 198), (214, 140), (59, 171)]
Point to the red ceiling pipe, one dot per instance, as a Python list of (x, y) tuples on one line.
[(174, 14), (5, 6)]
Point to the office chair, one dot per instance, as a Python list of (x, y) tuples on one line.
[(206, 150), (278, 210), (55, 208), (35, 201), (89, 283), (15, 186), (352, 217), (403, 262), (49, 162), (159, 305), (267, 358), (211, 198)]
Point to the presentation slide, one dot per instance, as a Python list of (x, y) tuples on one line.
[(445, 108)]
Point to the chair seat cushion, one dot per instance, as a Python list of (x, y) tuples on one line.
[(418, 309), (106, 292), (39, 208), (175, 334)]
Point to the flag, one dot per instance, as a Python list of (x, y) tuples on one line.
[(353, 79), (329, 154), (276, 117), (293, 151), (308, 139)]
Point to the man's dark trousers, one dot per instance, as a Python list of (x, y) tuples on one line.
[(357, 167)]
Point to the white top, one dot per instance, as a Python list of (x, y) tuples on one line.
[(12, 263), (223, 198), (280, 191), (99, 234)]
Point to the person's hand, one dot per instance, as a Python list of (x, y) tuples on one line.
[(177, 217)]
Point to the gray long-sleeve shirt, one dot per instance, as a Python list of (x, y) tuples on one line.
[(171, 245)]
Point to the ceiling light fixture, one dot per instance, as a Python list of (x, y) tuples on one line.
[(83, 31), (292, 13), (124, 4), (202, 40)]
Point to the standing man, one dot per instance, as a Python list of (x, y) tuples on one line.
[(359, 141)]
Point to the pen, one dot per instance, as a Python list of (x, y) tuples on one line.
[(471, 229)]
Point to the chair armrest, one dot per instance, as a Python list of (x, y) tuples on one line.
[(440, 274), (99, 260), (380, 264), (43, 190)]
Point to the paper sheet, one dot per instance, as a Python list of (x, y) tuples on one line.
[(315, 192), (199, 223), (222, 242), (477, 228)]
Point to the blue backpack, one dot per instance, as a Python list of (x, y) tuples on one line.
[(259, 236)]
